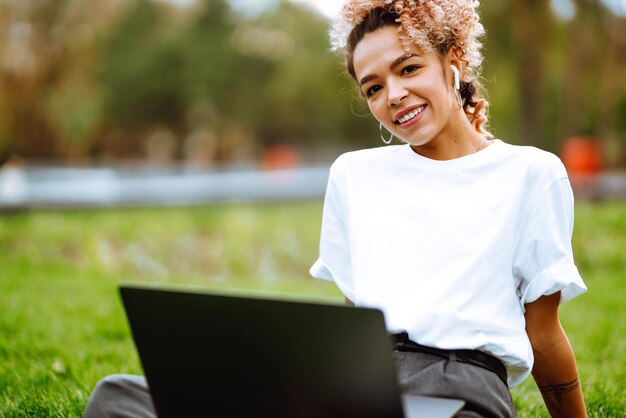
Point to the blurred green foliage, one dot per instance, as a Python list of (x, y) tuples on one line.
[(145, 79)]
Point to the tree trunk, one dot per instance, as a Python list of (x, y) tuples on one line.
[(532, 24)]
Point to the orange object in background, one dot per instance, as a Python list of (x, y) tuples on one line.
[(278, 157), (581, 155)]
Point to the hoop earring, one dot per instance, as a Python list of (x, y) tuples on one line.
[(386, 141)]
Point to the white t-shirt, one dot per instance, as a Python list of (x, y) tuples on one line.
[(451, 250)]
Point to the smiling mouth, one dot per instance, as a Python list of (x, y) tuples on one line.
[(410, 116)]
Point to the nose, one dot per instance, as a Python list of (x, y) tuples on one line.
[(395, 93)]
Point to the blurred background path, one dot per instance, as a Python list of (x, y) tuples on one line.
[(101, 187), (48, 187)]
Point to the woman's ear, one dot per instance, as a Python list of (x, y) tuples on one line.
[(454, 58)]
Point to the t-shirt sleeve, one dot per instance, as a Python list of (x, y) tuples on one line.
[(334, 261), (544, 263)]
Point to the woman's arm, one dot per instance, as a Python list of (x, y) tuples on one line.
[(555, 369)]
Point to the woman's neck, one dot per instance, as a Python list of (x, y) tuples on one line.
[(457, 141)]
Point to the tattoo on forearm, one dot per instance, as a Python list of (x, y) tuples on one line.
[(558, 390)]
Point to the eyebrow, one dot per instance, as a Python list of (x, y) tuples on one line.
[(392, 66)]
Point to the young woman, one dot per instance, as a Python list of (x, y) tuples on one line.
[(462, 240)]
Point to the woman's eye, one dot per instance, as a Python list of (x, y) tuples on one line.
[(409, 69), (372, 90)]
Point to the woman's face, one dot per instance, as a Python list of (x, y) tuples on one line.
[(410, 94)]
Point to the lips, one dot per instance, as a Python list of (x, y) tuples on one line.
[(408, 114)]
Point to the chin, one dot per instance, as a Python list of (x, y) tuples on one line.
[(416, 142), (419, 138)]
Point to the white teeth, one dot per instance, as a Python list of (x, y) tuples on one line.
[(411, 115)]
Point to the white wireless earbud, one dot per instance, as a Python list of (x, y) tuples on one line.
[(457, 81)]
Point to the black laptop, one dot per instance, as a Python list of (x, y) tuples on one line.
[(218, 355)]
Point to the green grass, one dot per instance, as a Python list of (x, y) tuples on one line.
[(62, 327)]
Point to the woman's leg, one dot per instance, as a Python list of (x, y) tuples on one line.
[(120, 395), (485, 395)]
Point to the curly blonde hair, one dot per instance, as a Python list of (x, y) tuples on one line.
[(431, 26)]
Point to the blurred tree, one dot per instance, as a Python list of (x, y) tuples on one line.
[(499, 75), (269, 78), (566, 84), (141, 72), (137, 78), (31, 62), (216, 77), (533, 28), (40, 51), (307, 98), (593, 77)]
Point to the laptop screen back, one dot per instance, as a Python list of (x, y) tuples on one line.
[(216, 355)]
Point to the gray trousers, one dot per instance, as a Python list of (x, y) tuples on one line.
[(485, 394)]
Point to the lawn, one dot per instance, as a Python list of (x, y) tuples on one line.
[(62, 326)]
